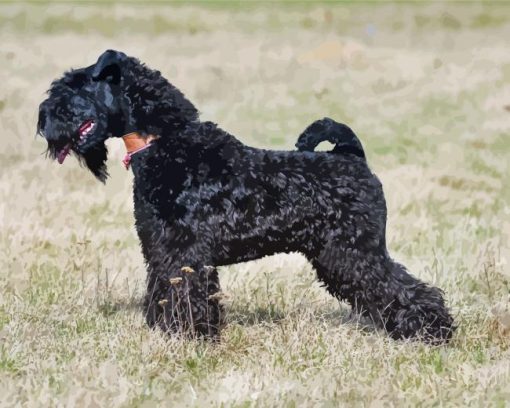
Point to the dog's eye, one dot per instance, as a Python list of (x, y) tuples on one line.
[(77, 80)]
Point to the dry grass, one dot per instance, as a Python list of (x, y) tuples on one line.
[(427, 89)]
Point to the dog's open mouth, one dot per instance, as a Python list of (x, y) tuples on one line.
[(83, 131)]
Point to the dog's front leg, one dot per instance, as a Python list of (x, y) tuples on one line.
[(182, 298)]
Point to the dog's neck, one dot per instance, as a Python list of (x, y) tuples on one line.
[(134, 141)]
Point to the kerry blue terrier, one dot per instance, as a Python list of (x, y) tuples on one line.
[(204, 199)]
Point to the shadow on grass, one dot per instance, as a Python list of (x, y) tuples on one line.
[(247, 315), (110, 307)]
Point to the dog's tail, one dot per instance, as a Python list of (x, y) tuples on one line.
[(327, 130)]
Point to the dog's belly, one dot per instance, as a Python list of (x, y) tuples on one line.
[(242, 237)]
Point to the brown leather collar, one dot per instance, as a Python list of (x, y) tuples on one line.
[(135, 141)]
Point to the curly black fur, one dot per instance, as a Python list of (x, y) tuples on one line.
[(327, 129), (204, 199)]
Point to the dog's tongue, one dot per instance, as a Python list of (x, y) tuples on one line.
[(62, 154)]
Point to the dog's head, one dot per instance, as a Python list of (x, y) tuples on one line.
[(115, 96)]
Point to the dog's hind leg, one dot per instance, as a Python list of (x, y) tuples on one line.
[(383, 290)]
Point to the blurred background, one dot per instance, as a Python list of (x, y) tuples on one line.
[(426, 87)]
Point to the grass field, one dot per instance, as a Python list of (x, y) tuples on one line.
[(427, 89)]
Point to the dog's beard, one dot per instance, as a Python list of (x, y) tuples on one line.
[(95, 159)]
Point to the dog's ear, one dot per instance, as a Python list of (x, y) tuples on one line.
[(107, 67)]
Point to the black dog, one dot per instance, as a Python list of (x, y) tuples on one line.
[(203, 199)]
